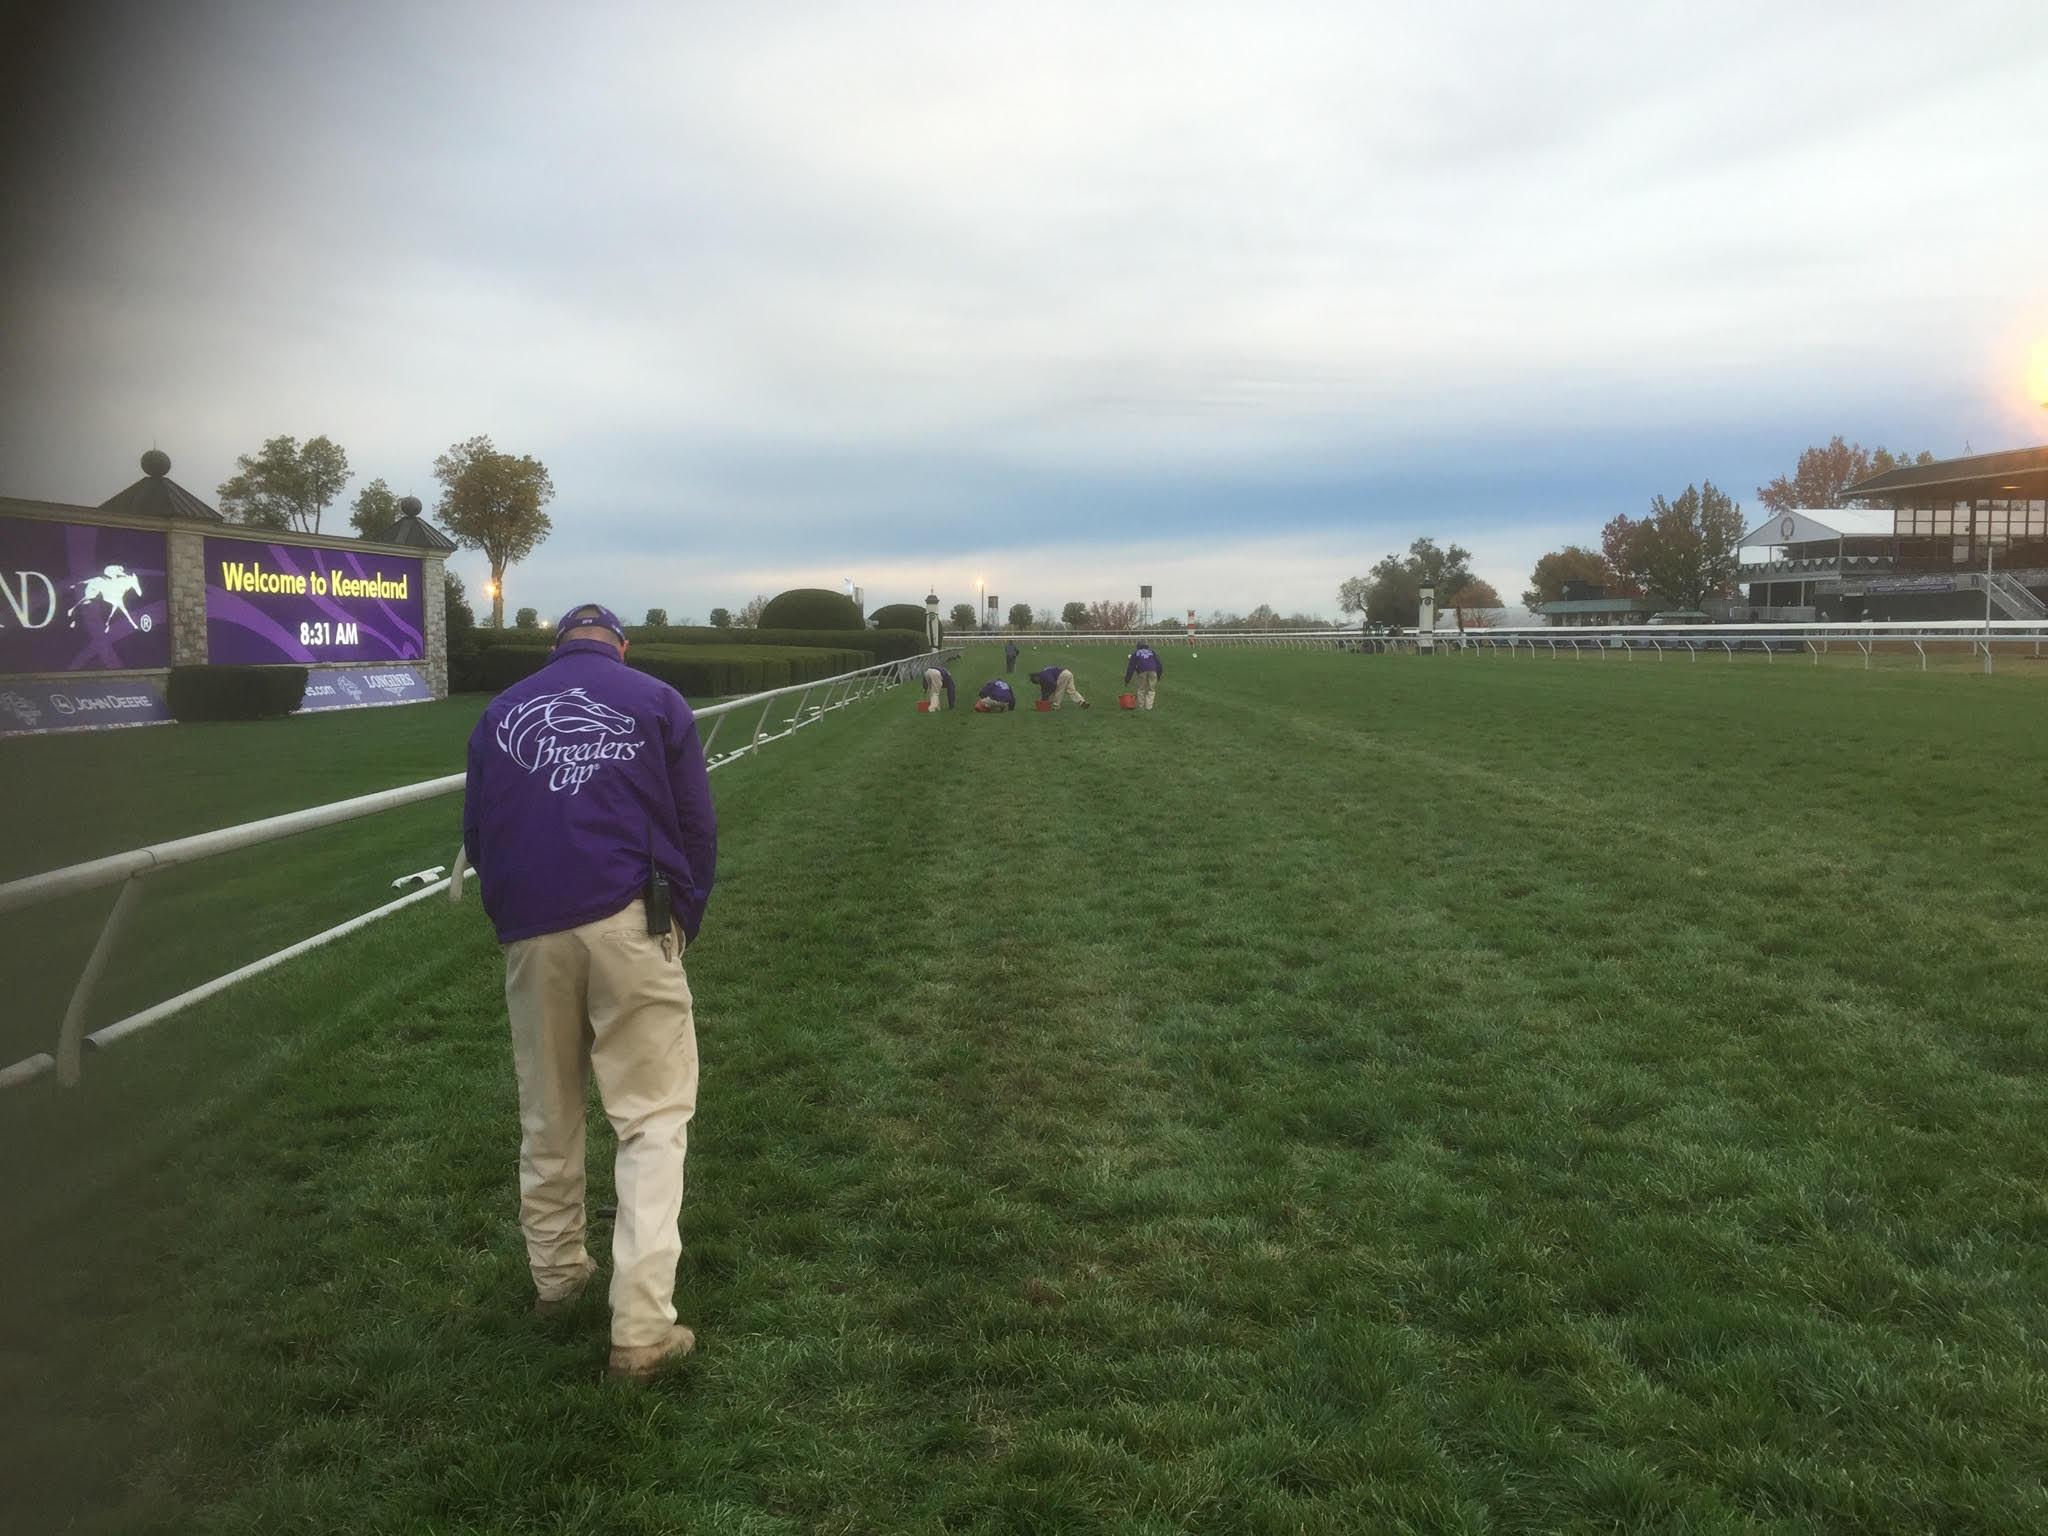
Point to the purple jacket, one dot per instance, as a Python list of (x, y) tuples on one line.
[(949, 683), (1001, 692), (578, 777), (1144, 659), (1047, 680)]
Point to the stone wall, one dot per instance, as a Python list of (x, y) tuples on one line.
[(186, 551), (435, 612)]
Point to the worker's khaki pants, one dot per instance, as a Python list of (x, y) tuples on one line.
[(1064, 689), (1148, 687), (934, 690), (609, 997)]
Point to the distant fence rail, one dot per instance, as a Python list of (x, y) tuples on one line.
[(128, 870), (1973, 636)]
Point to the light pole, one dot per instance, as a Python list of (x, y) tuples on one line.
[(980, 603)]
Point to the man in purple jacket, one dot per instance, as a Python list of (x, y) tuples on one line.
[(997, 695), (588, 819), (1057, 683), (1150, 670)]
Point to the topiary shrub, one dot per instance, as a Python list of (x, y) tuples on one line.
[(899, 616), (235, 693), (877, 644), (811, 608), (695, 671)]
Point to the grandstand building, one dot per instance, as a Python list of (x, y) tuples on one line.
[(1934, 541)]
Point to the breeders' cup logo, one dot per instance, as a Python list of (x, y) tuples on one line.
[(570, 734), (113, 586), (349, 686)]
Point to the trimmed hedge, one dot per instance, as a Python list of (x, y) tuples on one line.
[(908, 616), (811, 608), (879, 644), (700, 671), (235, 693)]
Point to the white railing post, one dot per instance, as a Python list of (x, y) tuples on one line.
[(73, 1028)]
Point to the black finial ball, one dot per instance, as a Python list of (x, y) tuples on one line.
[(157, 463), (409, 506)]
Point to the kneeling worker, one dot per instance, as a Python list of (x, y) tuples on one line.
[(587, 817), (1150, 670), (995, 696), (935, 679), (1057, 683)]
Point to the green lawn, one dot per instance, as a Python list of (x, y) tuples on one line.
[(1367, 1093), (82, 796)]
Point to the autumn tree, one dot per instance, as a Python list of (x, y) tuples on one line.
[(1623, 546), (1683, 552), (1472, 601), (1824, 474), (1572, 563), (1020, 615), (1075, 615), (492, 501), (1111, 618), (374, 510), (285, 485), (1391, 592)]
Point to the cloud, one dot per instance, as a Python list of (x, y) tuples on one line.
[(841, 282)]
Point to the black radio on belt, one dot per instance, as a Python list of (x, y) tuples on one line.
[(660, 905)]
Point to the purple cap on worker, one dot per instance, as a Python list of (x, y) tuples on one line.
[(590, 616)]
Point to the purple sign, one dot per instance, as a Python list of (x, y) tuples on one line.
[(75, 597), (361, 687), (30, 708), (282, 603)]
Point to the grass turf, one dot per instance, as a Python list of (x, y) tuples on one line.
[(1366, 1093)]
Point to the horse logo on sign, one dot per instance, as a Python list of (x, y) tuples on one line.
[(113, 586)]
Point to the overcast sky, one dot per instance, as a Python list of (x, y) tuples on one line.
[(1232, 299)]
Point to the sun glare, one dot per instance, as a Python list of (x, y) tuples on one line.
[(2037, 374)]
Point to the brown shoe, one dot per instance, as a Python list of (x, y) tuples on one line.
[(644, 1362), (555, 1306)]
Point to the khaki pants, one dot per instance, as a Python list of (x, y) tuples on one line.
[(934, 690), (1064, 689), (1148, 688), (607, 997)]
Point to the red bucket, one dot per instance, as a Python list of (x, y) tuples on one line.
[(1045, 706), (1128, 700), (924, 706)]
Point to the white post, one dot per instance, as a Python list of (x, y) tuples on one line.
[(73, 1028)]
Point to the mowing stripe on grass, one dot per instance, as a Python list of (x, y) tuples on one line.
[(1365, 1093)]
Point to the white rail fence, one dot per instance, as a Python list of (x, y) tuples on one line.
[(2012, 637), (128, 870)]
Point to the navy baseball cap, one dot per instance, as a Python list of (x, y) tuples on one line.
[(590, 616)]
